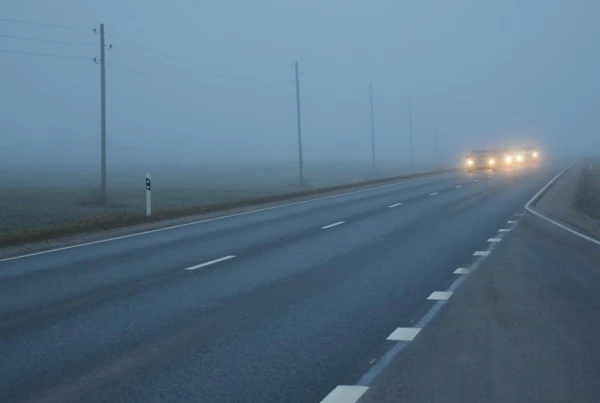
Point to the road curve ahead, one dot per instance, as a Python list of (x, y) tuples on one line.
[(279, 305)]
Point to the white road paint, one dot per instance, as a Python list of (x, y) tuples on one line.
[(462, 270), (481, 253), (551, 221), (433, 194), (476, 180), (519, 214), (335, 224), (458, 186), (440, 295), (172, 227), (221, 259), (395, 205), (494, 239), (345, 394), (504, 230), (404, 334), (512, 222)]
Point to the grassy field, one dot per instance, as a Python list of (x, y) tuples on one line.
[(588, 192), (29, 204)]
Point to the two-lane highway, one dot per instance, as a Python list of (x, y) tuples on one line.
[(280, 304)]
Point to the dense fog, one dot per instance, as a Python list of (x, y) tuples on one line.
[(486, 73)]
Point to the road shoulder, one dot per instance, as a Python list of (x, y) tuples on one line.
[(574, 199)]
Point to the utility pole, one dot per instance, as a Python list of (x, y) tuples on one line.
[(410, 127), (437, 141), (300, 162), (103, 115), (374, 167)]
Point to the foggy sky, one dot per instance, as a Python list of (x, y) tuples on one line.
[(494, 72)]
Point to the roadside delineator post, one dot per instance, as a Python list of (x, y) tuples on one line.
[(148, 198)]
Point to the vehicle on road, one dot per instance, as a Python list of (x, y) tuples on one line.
[(480, 160), (530, 155), (507, 158)]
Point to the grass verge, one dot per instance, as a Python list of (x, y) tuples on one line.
[(587, 195), (126, 219)]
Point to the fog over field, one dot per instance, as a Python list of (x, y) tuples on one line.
[(205, 89)]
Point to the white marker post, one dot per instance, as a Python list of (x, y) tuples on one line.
[(148, 198)]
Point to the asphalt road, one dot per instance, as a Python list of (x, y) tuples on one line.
[(522, 327), (291, 307)]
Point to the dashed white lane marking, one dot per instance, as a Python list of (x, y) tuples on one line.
[(221, 259), (335, 224), (404, 333), (476, 180), (481, 253), (519, 214), (458, 186), (462, 270), (494, 239), (433, 194), (503, 230), (512, 222), (440, 295), (395, 205), (345, 394), (259, 210)]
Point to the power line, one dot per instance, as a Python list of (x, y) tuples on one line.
[(46, 40), (43, 24), (46, 55), (160, 53), (179, 67), (181, 81)]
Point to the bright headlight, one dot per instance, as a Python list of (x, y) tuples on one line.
[(519, 158), (491, 162), (535, 154), (469, 162), (508, 159)]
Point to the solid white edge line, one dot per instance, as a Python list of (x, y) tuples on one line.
[(345, 394), (462, 270), (221, 259), (481, 253), (494, 239), (404, 334), (504, 230), (511, 222), (395, 205), (440, 295), (335, 224), (217, 218), (458, 186), (433, 194), (551, 221)]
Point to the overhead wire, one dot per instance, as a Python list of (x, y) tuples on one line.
[(182, 81), (47, 40), (146, 48), (44, 24), (192, 71), (46, 55)]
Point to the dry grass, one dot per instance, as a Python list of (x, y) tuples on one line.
[(64, 217), (588, 189)]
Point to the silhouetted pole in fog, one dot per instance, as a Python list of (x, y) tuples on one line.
[(374, 167), (410, 127), (103, 115), (300, 162), (437, 142)]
